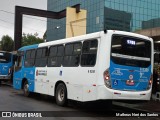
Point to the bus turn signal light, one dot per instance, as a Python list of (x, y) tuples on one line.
[(150, 82), (107, 79)]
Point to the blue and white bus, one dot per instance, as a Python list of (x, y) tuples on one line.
[(107, 65), (7, 60)]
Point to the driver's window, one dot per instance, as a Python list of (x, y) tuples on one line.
[(18, 63)]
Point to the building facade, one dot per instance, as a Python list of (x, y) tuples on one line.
[(125, 15)]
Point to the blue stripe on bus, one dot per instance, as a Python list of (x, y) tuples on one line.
[(121, 73), (28, 47)]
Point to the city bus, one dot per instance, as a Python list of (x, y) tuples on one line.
[(7, 60), (106, 65)]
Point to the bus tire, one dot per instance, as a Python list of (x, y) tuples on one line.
[(26, 89), (61, 95)]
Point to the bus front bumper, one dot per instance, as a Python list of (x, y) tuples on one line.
[(5, 77)]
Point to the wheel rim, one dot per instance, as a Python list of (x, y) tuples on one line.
[(61, 94)]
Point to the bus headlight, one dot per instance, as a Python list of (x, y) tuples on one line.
[(150, 82), (107, 79)]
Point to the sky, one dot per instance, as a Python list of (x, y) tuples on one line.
[(31, 24)]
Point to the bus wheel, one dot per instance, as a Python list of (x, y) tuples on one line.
[(61, 95), (26, 89)]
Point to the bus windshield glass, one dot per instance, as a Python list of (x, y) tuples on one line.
[(5, 57), (130, 51)]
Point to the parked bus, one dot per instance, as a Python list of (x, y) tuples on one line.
[(7, 60), (107, 65)]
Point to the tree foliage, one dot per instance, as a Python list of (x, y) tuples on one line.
[(29, 39), (7, 43)]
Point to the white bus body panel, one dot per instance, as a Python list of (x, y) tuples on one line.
[(122, 95), (81, 85)]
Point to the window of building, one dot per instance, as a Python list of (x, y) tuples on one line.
[(41, 57), (55, 57), (29, 58), (72, 54), (89, 53)]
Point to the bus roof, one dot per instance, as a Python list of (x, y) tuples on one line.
[(81, 37), (28, 47)]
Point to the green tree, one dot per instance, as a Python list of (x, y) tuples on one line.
[(7, 43), (29, 39)]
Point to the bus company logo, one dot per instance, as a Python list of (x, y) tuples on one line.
[(117, 72), (41, 73)]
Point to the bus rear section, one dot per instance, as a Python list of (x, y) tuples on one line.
[(6, 66), (130, 73)]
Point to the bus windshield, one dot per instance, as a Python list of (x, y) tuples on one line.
[(5, 57), (130, 51)]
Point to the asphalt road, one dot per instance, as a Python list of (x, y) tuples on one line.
[(13, 100)]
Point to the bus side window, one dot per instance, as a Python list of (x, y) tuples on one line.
[(41, 57), (52, 58), (55, 56), (72, 54), (29, 58), (89, 53)]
